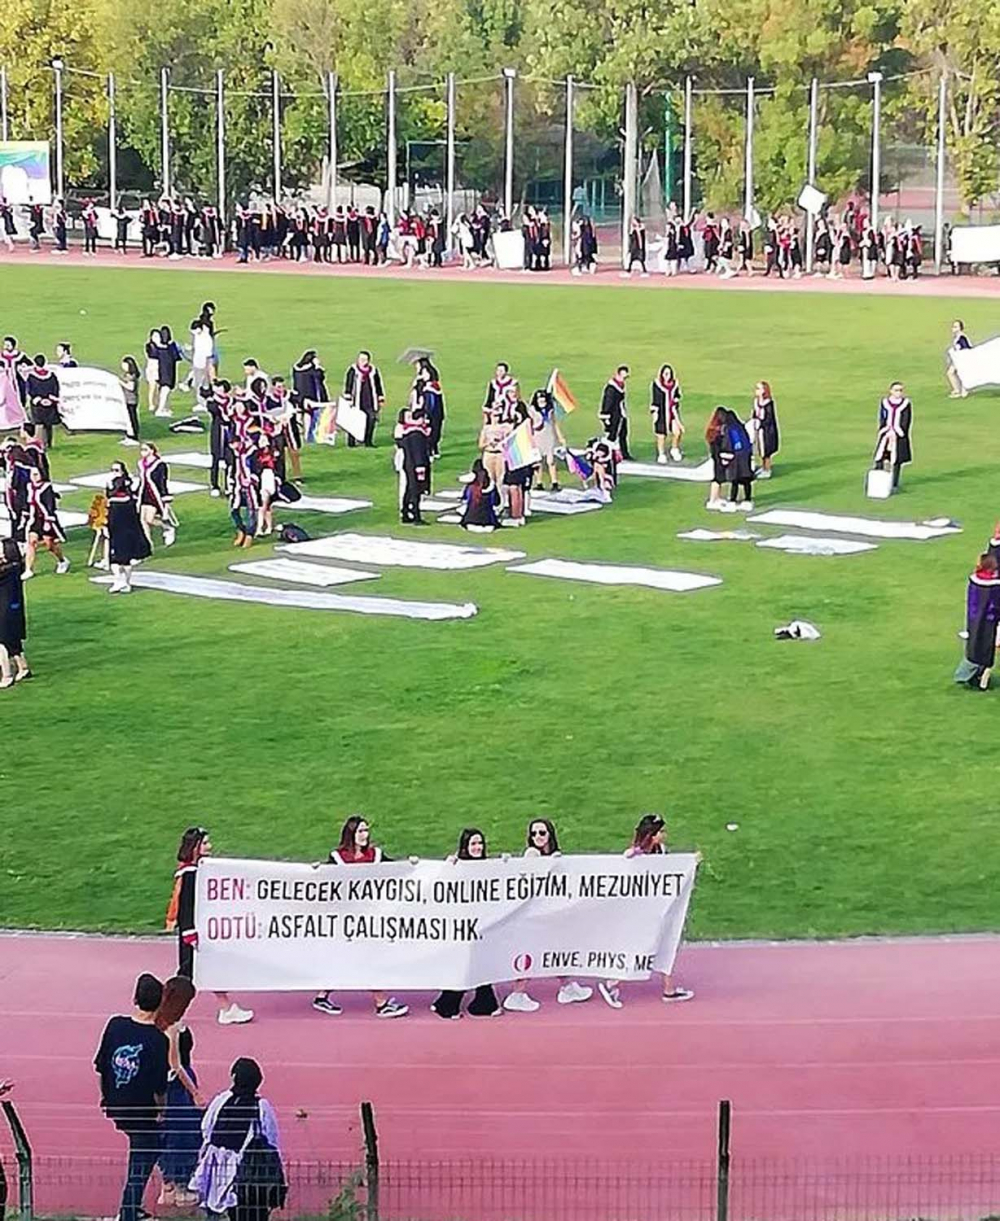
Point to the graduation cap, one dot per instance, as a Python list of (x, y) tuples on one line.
[(412, 355)]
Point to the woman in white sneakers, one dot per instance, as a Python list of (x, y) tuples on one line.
[(648, 840), (543, 841)]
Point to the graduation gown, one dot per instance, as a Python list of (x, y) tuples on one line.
[(612, 413), (126, 537), (894, 422), (13, 628), (43, 396), (767, 428), (43, 520), (364, 388), (982, 615), (666, 404), (153, 487)]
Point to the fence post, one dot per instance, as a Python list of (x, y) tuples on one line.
[(722, 1164), (26, 1181), (371, 1160)]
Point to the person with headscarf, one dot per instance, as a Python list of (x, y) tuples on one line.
[(14, 667), (239, 1170), (127, 541), (484, 1003)]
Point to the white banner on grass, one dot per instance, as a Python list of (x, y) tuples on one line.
[(91, 400), (975, 244), (277, 926), (978, 366)]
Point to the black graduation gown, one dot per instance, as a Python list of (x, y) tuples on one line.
[(767, 425), (612, 411), (416, 450), (43, 397), (982, 616), (365, 392), (42, 514), (13, 628), (904, 451), (127, 539), (480, 506), (219, 434)]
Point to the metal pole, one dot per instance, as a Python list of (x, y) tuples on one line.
[(331, 92), (164, 131), (59, 134), (629, 169), (668, 149), (220, 145), (112, 144), (371, 1161), (939, 184), (876, 82), (568, 176), (508, 163), (391, 172), (723, 1160), (450, 164), (688, 91), (813, 137), (4, 131), (25, 1170), (276, 131), (748, 157)]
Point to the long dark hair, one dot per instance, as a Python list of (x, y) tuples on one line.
[(553, 838), (649, 826), (189, 845), (348, 831), (130, 364), (716, 425), (468, 833)]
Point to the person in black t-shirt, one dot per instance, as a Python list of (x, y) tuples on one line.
[(132, 1062)]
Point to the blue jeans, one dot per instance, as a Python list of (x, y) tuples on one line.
[(181, 1135), (143, 1154)]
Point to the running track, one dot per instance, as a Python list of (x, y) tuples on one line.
[(854, 1049), (608, 275)]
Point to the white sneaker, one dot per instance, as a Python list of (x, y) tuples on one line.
[(727, 506), (610, 996), (714, 506), (129, 442), (678, 995), (164, 415), (27, 574), (169, 536), (102, 564), (520, 1002), (62, 567), (235, 1016), (661, 460), (676, 454), (745, 506), (117, 586), (572, 992), (215, 493), (762, 474)]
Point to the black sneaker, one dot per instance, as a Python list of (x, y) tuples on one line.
[(556, 487), (323, 1004), (391, 1009)]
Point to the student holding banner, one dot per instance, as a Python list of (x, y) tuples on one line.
[(484, 1003), (959, 342), (543, 841), (648, 840), (356, 848)]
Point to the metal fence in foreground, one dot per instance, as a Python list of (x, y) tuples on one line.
[(653, 1187)]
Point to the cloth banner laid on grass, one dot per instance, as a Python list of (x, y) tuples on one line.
[(323, 504), (189, 458), (295, 599), (868, 527), (977, 366), (384, 550), (718, 536), (176, 487), (618, 574), (299, 572), (278, 926), (91, 400), (673, 470), (801, 544), (68, 519)]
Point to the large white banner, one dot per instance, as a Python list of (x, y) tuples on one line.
[(975, 244), (977, 366), (276, 926), (91, 400)]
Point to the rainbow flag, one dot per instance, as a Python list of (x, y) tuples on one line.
[(519, 449), (561, 393)]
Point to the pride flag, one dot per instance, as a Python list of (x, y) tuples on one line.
[(561, 393), (326, 425), (519, 449), (579, 465)]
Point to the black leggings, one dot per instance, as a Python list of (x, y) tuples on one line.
[(133, 420), (735, 488), (483, 1004)]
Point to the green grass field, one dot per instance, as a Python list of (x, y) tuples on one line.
[(862, 779)]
